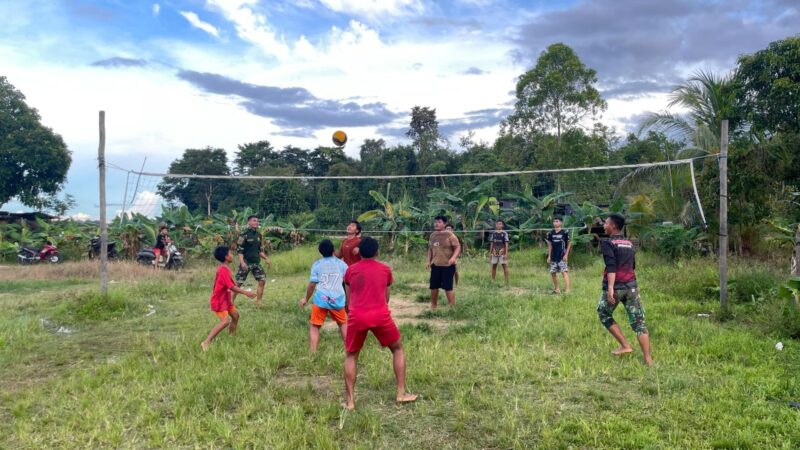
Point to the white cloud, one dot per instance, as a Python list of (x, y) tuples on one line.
[(147, 203), (156, 9), (375, 8), (197, 23), (252, 26), (81, 217)]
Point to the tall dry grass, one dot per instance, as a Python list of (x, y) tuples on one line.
[(83, 270)]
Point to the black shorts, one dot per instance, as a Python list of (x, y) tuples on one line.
[(442, 277)]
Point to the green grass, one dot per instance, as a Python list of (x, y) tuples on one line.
[(517, 368)]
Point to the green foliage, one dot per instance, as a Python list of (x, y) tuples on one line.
[(34, 160), (769, 81), (197, 194), (675, 241)]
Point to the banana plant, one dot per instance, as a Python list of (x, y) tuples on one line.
[(392, 217)]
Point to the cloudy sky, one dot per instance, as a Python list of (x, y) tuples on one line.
[(178, 74)]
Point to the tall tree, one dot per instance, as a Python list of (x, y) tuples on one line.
[(33, 159), (770, 87), (423, 128), (555, 95), (196, 193), (252, 156)]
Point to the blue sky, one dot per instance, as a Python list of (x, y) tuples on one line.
[(184, 74)]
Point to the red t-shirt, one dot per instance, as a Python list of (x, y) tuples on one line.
[(348, 248), (221, 295), (368, 280)]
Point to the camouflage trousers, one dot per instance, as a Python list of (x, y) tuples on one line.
[(629, 297), (255, 269)]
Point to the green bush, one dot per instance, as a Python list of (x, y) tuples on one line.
[(675, 241), (90, 306), (753, 287)]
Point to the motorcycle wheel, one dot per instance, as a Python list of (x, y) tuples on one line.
[(144, 261), (54, 259)]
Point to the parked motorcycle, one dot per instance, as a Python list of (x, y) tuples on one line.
[(29, 255), (172, 260), (94, 248)]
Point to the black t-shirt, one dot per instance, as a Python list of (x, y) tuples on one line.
[(620, 258), (559, 241), (498, 240), (160, 241)]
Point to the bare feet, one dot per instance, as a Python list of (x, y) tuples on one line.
[(406, 398), (621, 351), (349, 405), (204, 346), (258, 304), (649, 361)]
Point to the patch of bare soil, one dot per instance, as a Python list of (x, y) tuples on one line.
[(321, 384), (406, 311)]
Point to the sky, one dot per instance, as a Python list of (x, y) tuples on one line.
[(178, 74)]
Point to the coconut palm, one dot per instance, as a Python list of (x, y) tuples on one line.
[(709, 99)]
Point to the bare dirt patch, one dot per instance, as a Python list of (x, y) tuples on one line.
[(406, 311), (321, 384)]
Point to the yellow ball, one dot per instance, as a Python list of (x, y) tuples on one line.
[(339, 138)]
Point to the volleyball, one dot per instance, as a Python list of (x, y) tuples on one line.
[(339, 138)]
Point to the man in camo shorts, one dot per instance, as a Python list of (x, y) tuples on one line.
[(250, 256), (619, 285)]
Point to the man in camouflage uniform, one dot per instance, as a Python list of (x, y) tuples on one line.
[(250, 256), (619, 285)]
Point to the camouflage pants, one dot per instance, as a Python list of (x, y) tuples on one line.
[(633, 307), (256, 269)]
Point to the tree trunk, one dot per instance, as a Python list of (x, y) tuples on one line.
[(208, 199)]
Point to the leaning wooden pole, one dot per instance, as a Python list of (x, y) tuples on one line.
[(101, 164), (723, 217)]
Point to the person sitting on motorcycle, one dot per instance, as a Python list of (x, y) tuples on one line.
[(161, 244)]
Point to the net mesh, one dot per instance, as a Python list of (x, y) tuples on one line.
[(526, 200)]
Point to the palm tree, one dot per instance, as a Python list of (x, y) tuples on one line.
[(709, 99)]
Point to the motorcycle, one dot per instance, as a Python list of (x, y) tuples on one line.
[(172, 260), (94, 248), (49, 253)]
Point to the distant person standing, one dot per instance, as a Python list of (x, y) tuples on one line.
[(558, 248), (251, 253), (498, 249), (619, 285), (348, 250), (443, 251)]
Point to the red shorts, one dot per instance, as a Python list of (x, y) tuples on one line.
[(159, 251), (386, 333)]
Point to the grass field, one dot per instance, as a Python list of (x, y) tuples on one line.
[(508, 368)]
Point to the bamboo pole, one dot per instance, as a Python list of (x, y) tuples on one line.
[(723, 217), (101, 161)]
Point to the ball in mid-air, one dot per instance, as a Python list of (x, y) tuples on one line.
[(339, 138)]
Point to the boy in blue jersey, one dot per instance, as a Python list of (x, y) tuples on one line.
[(327, 288)]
